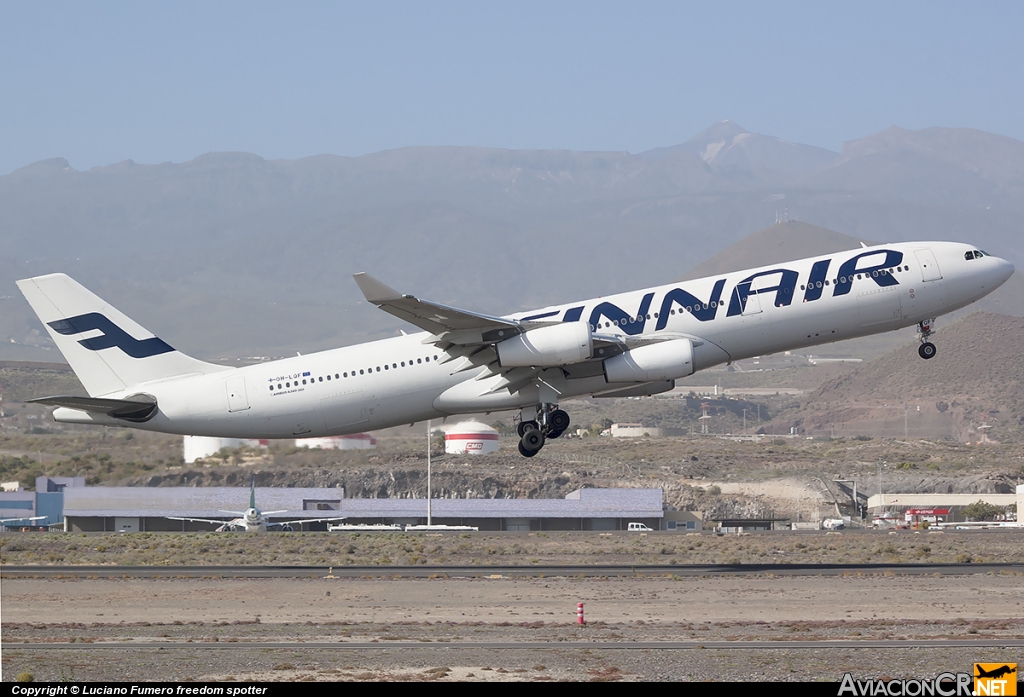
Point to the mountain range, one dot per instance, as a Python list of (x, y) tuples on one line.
[(231, 254)]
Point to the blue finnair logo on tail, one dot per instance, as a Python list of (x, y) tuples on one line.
[(112, 336)]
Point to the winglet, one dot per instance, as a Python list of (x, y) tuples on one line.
[(374, 290)]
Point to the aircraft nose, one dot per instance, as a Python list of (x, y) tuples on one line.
[(1004, 270)]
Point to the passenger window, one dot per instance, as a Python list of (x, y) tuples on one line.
[(385, 367), (419, 360)]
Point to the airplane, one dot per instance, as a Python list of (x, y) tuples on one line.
[(999, 672), (253, 519), (19, 521), (631, 344)]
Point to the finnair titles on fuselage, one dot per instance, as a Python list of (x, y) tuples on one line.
[(635, 343)]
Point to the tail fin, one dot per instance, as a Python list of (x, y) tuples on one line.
[(252, 491), (108, 352)]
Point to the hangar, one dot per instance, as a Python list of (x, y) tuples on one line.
[(145, 509)]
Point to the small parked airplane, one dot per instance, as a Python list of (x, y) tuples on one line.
[(631, 344), (253, 519), (20, 521)]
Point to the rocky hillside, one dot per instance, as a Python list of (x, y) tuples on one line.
[(972, 390)]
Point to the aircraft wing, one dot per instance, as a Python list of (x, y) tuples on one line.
[(11, 520), (201, 520), (472, 336), (450, 324), (304, 520)]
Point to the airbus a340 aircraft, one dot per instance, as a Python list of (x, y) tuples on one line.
[(635, 343)]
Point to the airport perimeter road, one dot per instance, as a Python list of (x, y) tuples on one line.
[(508, 571)]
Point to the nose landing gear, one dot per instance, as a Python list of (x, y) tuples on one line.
[(551, 422), (927, 349)]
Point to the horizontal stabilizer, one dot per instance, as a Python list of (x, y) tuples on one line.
[(135, 410)]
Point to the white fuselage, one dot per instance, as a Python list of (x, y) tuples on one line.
[(727, 317)]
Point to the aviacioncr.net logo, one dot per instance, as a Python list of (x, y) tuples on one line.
[(943, 685)]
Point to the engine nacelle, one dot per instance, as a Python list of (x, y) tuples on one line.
[(557, 344), (667, 360)]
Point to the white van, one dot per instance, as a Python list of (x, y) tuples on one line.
[(638, 527)]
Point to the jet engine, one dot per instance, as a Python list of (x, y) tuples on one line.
[(557, 344), (666, 360)]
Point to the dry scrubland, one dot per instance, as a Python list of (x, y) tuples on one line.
[(713, 476), (386, 549)]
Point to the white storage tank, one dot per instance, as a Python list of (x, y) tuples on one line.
[(198, 447), (355, 441), (470, 438)]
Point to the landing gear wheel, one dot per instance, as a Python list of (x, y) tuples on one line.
[(926, 350), (532, 441), (558, 420), (525, 426)]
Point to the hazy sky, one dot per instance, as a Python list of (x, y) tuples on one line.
[(101, 82)]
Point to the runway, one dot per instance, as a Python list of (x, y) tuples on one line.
[(515, 645), (581, 571), (697, 622)]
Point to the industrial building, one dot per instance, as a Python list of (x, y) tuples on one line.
[(355, 441), (47, 500), (911, 507)]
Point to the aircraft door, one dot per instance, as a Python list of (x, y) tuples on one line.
[(238, 400), (753, 304), (929, 266)]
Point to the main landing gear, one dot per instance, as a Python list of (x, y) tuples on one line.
[(927, 349), (551, 422)]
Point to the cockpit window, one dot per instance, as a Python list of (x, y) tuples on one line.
[(969, 255)]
